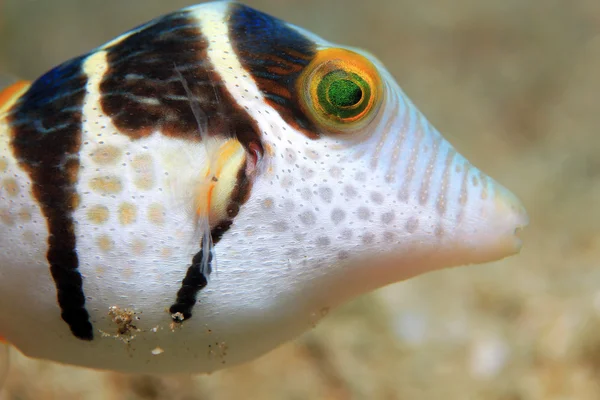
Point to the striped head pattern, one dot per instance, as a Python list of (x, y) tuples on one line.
[(220, 176)]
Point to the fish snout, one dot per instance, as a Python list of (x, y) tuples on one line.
[(492, 224)]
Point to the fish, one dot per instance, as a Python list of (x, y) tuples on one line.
[(207, 186)]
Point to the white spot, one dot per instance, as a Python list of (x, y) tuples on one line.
[(411, 327), (488, 357)]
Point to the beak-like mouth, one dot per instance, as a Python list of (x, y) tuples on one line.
[(517, 235), (522, 220), (511, 214)]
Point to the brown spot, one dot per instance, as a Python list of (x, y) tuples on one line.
[(166, 252), (98, 214), (3, 166), (100, 270), (29, 236), (156, 214), (143, 171), (105, 243), (11, 187), (106, 155), (127, 213), (268, 203), (6, 217), (124, 318), (127, 272), (138, 246), (25, 214), (106, 184)]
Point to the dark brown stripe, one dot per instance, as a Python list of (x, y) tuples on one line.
[(156, 78), (194, 281), (46, 127), (275, 55), (142, 92)]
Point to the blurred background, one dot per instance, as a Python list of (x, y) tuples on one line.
[(515, 86)]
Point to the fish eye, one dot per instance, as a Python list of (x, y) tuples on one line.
[(341, 90)]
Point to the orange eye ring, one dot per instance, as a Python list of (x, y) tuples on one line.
[(340, 90)]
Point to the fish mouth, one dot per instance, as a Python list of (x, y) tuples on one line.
[(518, 231), (513, 242), (522, 223)]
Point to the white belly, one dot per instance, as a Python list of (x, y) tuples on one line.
[(135, 242)]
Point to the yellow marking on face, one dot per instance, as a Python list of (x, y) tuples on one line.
[(10, 95), (3, 165), (127, 213), (106, 184), (98, 214)]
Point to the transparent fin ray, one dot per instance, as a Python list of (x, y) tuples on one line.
[(203, 220)]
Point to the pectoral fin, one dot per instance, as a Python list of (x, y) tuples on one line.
[(221, 189)]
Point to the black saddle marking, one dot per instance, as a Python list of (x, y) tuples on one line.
[(46, 136)]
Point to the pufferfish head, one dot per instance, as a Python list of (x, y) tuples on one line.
[(355, 184)]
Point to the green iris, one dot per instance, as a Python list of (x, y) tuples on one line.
[(343, 94)]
